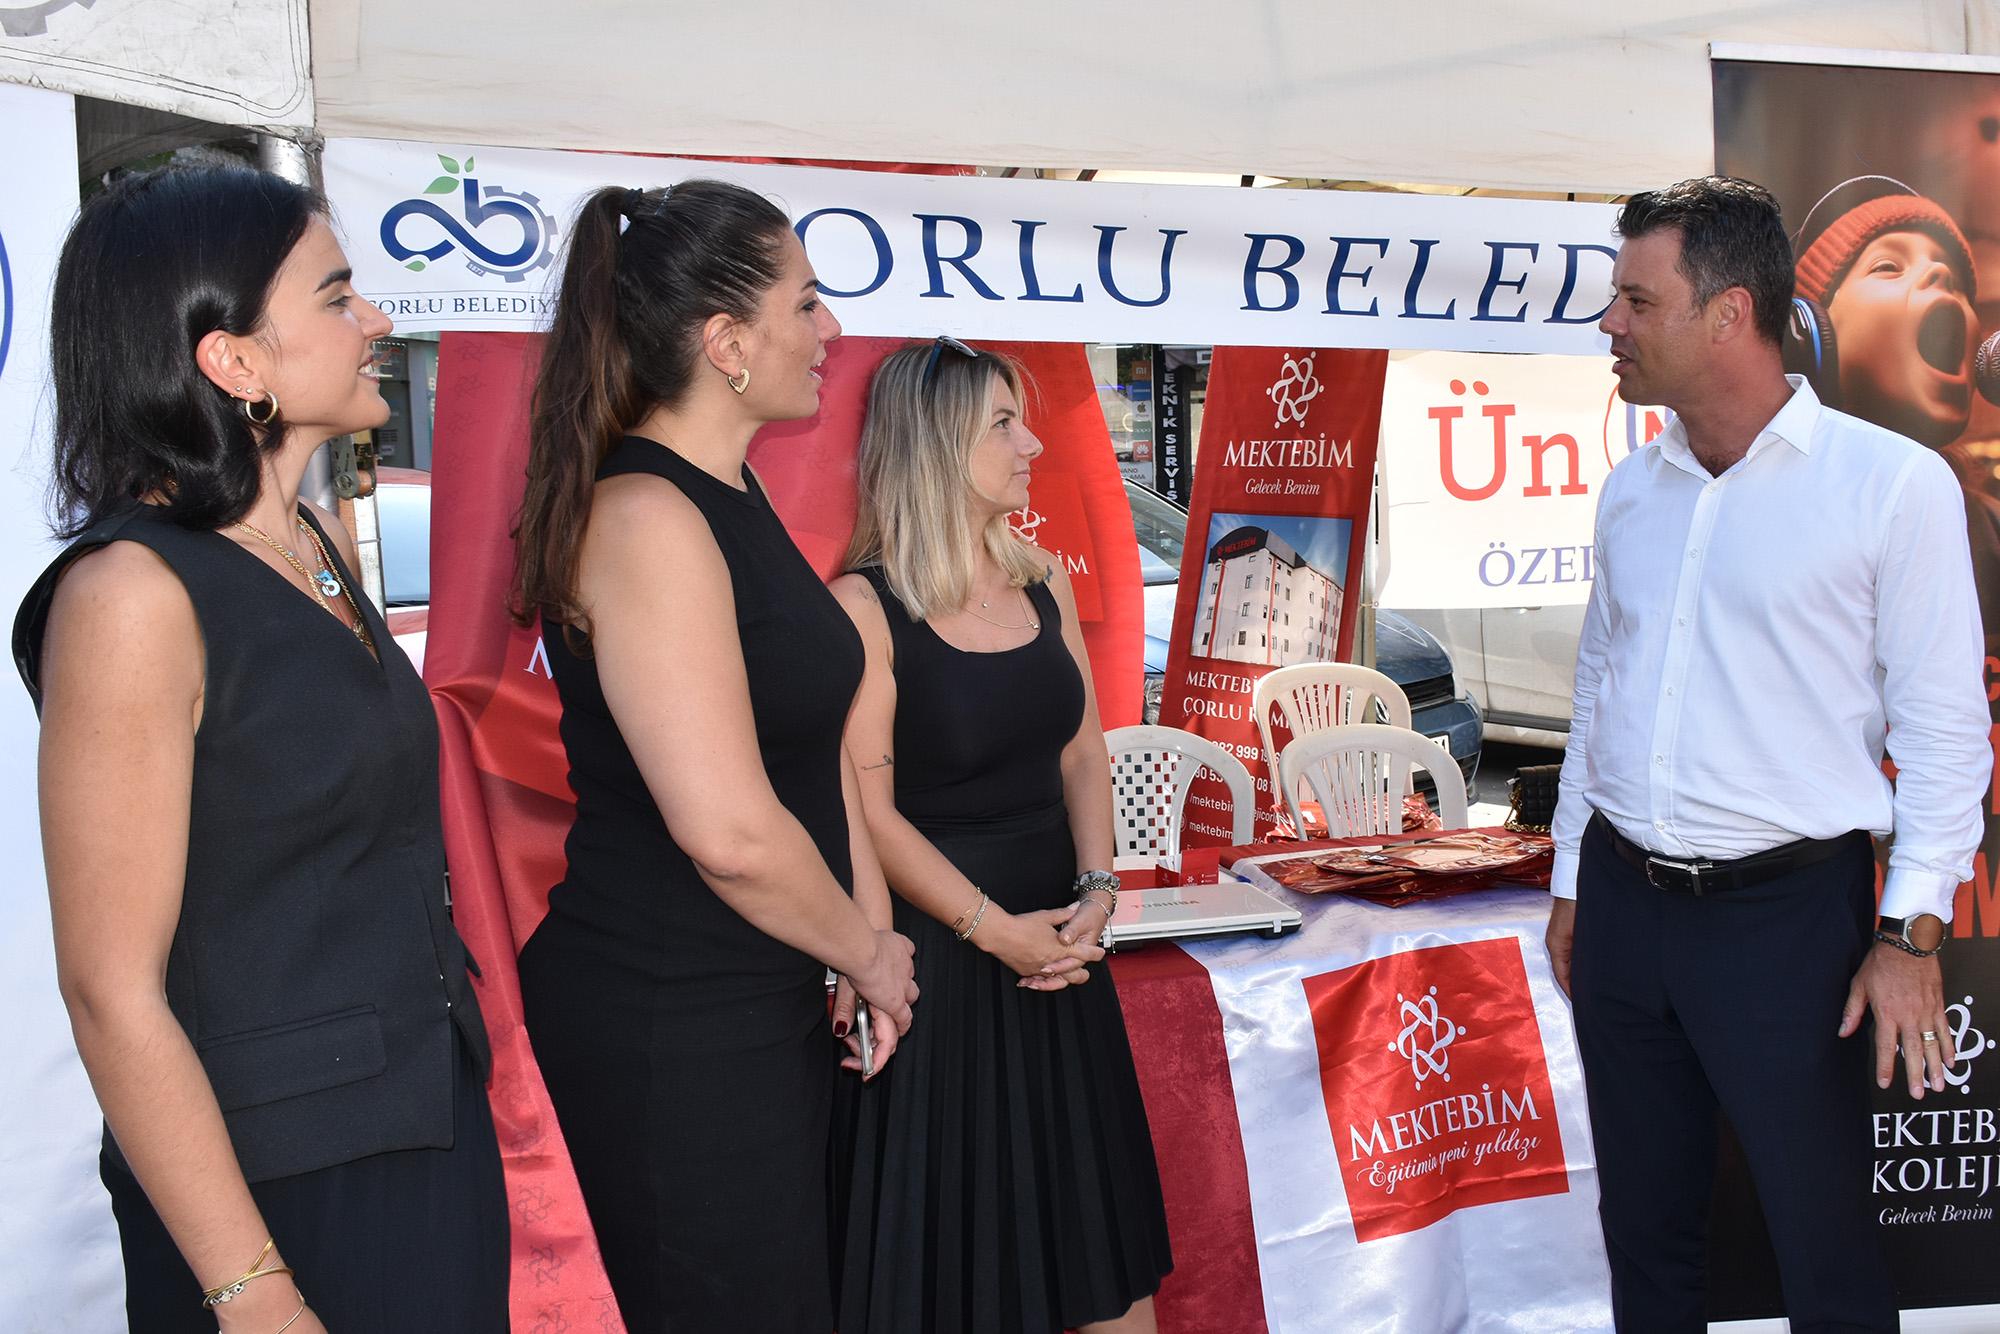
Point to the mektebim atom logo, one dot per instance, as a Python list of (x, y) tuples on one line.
[(1295, 389), (499, 231), (1967, 1042), (1426, 1039)]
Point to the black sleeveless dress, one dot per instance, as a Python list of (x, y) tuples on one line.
[(998, 1176), (686, 1052), (314, 965)]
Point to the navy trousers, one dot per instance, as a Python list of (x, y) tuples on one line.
[(1729, 1000)]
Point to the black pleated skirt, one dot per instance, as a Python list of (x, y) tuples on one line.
[(998, 1176), (411, 1242)]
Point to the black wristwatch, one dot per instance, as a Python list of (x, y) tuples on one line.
[(1910, 934)]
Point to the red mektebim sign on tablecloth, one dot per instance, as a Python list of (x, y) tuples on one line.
[(1272, 569), (1455, 1109)]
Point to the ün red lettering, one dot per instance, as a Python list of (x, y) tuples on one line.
[(1444, 416), (1538, 448)]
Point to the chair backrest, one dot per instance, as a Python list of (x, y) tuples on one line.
[(1314, 696), (1151, 768), (1361, 772)]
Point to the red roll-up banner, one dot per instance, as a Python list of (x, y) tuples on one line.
[(506, 798), (1271, 574)]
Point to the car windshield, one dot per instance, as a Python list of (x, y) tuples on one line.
[(1161, 526)]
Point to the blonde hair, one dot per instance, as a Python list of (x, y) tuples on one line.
[(915, 514)]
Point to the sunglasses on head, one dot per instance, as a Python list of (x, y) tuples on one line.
[(937, 347)]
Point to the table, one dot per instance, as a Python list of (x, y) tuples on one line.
[(1181, 1042)]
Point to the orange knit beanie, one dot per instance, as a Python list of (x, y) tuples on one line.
[(1825, 262)]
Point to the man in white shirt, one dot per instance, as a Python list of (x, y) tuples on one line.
[(1780, 589)]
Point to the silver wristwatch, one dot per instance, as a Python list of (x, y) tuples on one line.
[(1091, 881)]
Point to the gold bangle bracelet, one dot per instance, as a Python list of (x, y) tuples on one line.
[(233, 1289)]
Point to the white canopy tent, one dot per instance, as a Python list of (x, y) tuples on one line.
[(1555, 95), (1549, 95)]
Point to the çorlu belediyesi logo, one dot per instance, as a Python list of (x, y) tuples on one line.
[(6, 305), (497, 231)]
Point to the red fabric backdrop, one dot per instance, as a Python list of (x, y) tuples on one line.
[(507, 804)]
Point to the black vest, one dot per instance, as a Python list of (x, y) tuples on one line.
[(314, 966)]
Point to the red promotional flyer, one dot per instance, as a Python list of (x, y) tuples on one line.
[(1272, 570)]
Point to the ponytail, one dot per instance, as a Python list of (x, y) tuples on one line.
[(585, 397), (646, 270)]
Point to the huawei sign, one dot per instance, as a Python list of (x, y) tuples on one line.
[(1436, 1085)]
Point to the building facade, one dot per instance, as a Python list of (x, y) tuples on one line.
[(1262, 603)]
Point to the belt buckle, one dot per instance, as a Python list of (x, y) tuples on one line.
[(1694, 870)]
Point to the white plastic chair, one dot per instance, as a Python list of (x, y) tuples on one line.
[(1360, 774), (1151, 768), (1314, 696)]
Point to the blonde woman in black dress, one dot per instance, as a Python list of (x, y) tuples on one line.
[(999, 1179)]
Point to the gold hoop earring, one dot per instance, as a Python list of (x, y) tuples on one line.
[(268, 417), (740, 383)]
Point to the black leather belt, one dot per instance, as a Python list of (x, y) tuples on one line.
[(1699, 875)]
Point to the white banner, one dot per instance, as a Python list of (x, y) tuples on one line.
[(236, 62), (1491, 468), (1413, 1118), (59, 1267), (468, 237)]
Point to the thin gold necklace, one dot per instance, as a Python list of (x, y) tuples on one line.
[(323, 583), (1030, 624)]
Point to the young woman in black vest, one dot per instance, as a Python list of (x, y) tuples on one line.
[(239, 795), (1000, 1179), (675, 994)]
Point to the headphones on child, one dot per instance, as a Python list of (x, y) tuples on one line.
[(1811, 350)]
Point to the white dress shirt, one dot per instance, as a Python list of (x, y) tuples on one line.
[(1753, 639)]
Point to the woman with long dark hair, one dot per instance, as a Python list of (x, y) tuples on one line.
[(675, 993), (239, 795), (1000, 1179)]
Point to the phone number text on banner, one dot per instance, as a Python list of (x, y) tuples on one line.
[(462, 237)]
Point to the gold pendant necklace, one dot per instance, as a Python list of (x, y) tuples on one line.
[(1030, 624), (322, 583)]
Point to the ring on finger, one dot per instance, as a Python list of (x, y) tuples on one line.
[(1930, 1037)]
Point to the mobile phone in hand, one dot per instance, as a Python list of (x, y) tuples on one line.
[(865, 1029)]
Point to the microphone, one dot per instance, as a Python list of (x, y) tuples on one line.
[(1986, 369)]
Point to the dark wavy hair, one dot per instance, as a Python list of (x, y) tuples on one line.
[(626, 339), (1732, 235), (153, 264)]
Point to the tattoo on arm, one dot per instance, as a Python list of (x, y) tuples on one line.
[(886, 762)]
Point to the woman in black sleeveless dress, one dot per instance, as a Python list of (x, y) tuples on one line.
[(676, 992), (239, 796), (1000, 1179)]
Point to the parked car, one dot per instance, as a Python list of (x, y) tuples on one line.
[(1518, 662), (403, 517), (1404, 652)]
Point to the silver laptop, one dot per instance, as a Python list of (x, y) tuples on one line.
[(1181, 911)]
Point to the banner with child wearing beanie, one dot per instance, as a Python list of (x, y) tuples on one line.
[(1890, 184)]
